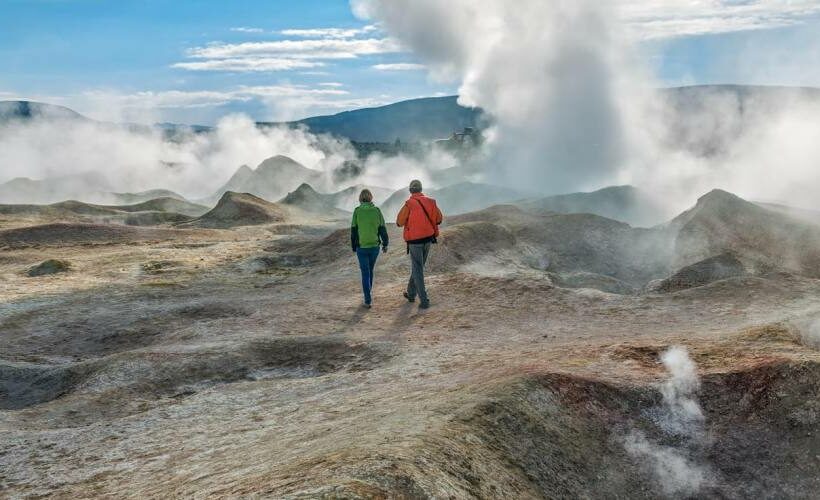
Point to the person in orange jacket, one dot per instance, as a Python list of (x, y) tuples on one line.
[(420, 217)]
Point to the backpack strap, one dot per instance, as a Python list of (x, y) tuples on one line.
[(433, 224)]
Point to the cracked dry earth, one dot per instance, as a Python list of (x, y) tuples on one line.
[(230, 363)]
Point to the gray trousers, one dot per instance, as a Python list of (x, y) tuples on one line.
[(418, 257)]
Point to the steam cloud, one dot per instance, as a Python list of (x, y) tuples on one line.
[(680, 419), (545, 72), (119, 158), (129, 160), (574, 109), (811, 334)]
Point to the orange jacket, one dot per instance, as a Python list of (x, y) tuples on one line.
[(417, 225)]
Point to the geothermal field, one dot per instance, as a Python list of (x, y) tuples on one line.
[(169, 349), (624, 295)]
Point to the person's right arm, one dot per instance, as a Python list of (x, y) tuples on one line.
[(404, 214)]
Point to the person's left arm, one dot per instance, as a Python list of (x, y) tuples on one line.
[(354, 232)]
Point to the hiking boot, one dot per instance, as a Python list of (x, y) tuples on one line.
[(408, 297), (425, 304), (366, 305)]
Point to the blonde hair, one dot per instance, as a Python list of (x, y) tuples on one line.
[(365, 196)]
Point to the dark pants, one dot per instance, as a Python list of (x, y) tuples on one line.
[(418, 258), (367, 264)]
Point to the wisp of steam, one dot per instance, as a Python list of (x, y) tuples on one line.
[(681, 419)]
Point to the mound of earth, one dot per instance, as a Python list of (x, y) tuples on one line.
[(152, 212), (722, 222), (573, 243), (579, 250), (80, 208), (271, 180), (624, 203), (50, 266), (165, 204), (241, 209), (309, 200), (504, 239), (65, 209), (67, 234), (140, 197), (155, 219), (716, 268), (470, 242)]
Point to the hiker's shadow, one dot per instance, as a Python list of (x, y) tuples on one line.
[(404, 319), (352, 322)]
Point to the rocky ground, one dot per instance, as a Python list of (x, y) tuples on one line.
[(237, 362)]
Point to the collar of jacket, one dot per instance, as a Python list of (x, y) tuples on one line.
[(416, 195), (366, 204)]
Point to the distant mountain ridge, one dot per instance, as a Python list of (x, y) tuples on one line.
[(429, 118), (27, 110), (415, 120)]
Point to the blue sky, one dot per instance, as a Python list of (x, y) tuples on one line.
[(195, 60)]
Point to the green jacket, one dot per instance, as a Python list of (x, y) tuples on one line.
[(367, 229)]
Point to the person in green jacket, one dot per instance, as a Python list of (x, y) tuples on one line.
[(367, 234)]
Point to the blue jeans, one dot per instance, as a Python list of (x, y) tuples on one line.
[(367, 264)]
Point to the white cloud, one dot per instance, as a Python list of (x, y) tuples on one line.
[(245, 29), (399, 67), (281, 102), (328, 48), (654, 19), (331, 84), (282, 55), (200, 98), (248, 64), (329, 32)]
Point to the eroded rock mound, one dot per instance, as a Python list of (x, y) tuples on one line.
[(165, 204), (50, 266), (152, 212), (272, 179), (719, 267), (308, 199), (467, 242), (241, 209), (722, 222)]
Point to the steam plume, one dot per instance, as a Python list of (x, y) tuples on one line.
[(680, 418), (573, 108), (136, 160), (545, 71)]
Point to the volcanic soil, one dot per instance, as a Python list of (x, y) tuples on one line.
[(233, 359)]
